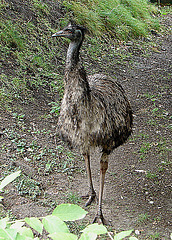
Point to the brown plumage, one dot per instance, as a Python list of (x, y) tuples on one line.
[(94, 112)]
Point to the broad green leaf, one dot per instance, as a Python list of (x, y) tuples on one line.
[(122, 234), (3, 223), (8, 234), (9, 179), (95, 228), (26, 232), (133, 238), (88, 236), (17, 225), (69, 212), (35, 223), (1, 198), (62, 236), (54, 224), (21, 237)]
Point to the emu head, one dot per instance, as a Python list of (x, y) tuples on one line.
[(72, 31)]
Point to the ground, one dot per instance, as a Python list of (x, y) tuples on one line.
[(137, 187)]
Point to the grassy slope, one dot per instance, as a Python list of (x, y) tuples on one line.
[(31, 66), (124, 19), (28, 62), (30, 57)]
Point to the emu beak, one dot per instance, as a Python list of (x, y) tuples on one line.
[(58, 34)]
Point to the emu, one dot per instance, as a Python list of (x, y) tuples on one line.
[(94, 112)]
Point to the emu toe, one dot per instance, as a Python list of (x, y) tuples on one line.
[(101, 220), (90, 197)]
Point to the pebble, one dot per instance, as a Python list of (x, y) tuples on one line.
[(137, 232)]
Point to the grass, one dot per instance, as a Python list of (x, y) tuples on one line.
[(11, 36), (27, 50), (72, 198), (144, 217), (123, 19), (33, 57), (46, 158), (31, 61)]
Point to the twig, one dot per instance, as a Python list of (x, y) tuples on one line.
[(110, 235)]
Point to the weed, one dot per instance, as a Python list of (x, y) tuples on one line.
[(145, 147), (152, 122), (20, 117), (151, 175), (155, 236), (149, 96), (143, 217), (26, 186), (73, 198), (55, 108)]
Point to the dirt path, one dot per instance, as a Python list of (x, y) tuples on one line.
[(137, 188)]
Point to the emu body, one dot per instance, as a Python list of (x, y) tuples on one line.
[(94, 112)]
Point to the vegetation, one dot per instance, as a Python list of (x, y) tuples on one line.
[(53, 224), (27, 57), (123, 19), (27, 49), (31, 63), (55, 227)]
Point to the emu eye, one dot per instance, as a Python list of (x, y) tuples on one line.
[(69, 30)]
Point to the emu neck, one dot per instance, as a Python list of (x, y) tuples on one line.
[(73, 55), (75, 77)]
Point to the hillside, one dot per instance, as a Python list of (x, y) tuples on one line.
[(137, 189)]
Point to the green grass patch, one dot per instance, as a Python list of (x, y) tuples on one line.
[(11, 36), (124, 19), (28, 58)]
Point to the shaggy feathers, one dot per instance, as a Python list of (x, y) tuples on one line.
[(94, 112)]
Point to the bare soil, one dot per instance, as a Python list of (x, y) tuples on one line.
[(137, 188)]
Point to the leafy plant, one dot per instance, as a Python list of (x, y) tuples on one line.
[(55, 108), (8, 180), (55, 226), (143, 217), (151, 175)]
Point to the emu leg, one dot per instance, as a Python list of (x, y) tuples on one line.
[(103, 168), (91, 194)]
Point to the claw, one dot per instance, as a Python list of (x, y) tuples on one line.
[(90, 200), (101, 220), (91, 197)]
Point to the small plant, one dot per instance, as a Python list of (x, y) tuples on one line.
[(55, 227), (145, 147), (73, 198), (8, 180), (55, 108), (41, 6), (28, 187), (155, 236), (151, 175), (143, 217)]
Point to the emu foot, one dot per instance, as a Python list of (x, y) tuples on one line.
[(91, 197), (100, 220)]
